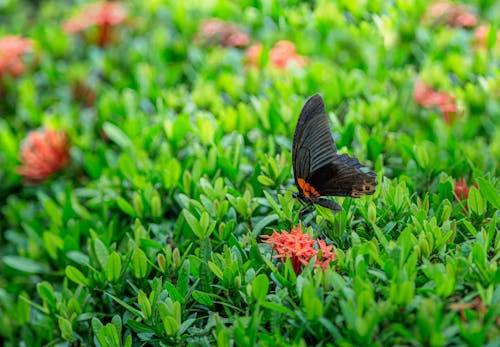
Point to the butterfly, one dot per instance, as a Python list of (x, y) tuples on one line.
[(318, 169)]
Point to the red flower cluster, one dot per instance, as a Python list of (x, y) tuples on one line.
[(454, 15), (12, 49), (217, 32), (43, 153), (300, 249), (427, 97), (282, 55), (103, 15)]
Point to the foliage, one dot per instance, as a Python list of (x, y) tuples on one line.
[(151, 236)]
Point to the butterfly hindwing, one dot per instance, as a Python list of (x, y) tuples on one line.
[(343, 177)]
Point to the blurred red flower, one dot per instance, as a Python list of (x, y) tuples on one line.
[(461, 189), (43, 153), (217, 32), (12, 49), (282, 55), (103, 15), (452, 14), (481, 36), (299, 248), (427, 97), (253, 55)]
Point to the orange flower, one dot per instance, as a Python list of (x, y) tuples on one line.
[(102, 15), (427, 97), (43, 153), (282, 55), (216, 31), (454, 15), (253, 54), (481, 36), (12, 49), (299, 248)]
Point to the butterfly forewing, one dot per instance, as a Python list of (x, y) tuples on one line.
[(313, 145)]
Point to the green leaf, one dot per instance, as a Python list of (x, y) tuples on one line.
[(475, 202), (113, 267), (194, 224), (24, 264), (125, 206), (202, 298), (489, 192), (260, 287), (76, 276), (173, 293), (101, 252), (116, 135), (66, 329), (139, 263), (129, 308), (145, 304), (264, 222), (46, 292)]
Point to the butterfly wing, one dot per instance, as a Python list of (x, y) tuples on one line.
[(313, 145), (344, 176), (318, 169)]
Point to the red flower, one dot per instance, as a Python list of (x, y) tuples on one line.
[(253, 54), (300, 249), (216, 31), (454, 15), (481, 36), (282, 55), (102, 15), (461, 191), (43, 153), (427, 97), (12, 49)]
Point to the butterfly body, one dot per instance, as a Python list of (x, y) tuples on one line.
[(317, 167)]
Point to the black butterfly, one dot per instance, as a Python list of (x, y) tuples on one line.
[(317, 167)]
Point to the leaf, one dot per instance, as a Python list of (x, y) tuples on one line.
[(475, 202), (139, 263), (46, 292), (194, 224), (264, 222), (76, 276), (113, 267), (116, 135), (125, 206), (260, 286), (101, 252), (66, 329), (145, 304), (202, 298), (24, 264), (489, 192), (173, 293), (129, 308)]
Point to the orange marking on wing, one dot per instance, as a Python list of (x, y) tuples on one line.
[(306, 188)]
